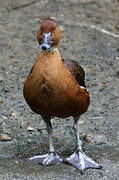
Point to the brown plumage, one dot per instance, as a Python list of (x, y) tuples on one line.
[(76, 70), (50, 90), (55, 87)]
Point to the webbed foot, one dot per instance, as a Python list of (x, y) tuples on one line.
[(81, 161), (47, 159)]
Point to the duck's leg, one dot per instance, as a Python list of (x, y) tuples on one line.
[(79, 159), (52, 157)]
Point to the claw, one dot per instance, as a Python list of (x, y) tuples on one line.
[(81, 161), (47, 159)]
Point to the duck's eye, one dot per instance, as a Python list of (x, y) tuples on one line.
[(41, 39), (52, 40)]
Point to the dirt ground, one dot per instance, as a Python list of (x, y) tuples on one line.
[(90, 35)]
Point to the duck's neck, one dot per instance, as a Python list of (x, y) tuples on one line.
[(49, 56)]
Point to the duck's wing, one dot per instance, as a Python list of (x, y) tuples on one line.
[(76, 70)]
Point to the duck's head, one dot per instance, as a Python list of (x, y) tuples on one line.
[(48, 35)]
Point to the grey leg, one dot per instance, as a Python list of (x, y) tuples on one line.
[(49, 131), (52, 157), (76, 130), (79, 159)]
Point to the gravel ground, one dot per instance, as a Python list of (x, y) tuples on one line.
[(90, 35)]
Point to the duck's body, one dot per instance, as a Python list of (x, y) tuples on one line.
[(56, 87), (51, 90)]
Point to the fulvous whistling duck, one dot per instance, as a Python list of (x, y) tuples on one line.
[(56, 87)]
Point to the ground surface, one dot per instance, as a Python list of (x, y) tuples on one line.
[(90, 35)]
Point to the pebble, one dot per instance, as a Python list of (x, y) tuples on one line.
[(62, 28), (5, 137), (107, 170), (117, 27), (117, 58), (61, 15), (13, 114), (4, 117), (5, 127), (117, 74), (81, 122), (94, 138), (30, 129), (1, 100), (53, 18), (1, 78)]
